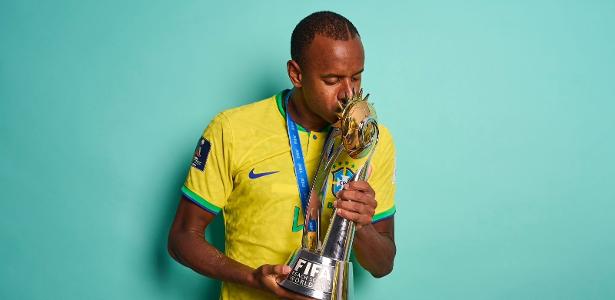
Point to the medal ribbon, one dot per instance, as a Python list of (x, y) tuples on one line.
[(297, 155)]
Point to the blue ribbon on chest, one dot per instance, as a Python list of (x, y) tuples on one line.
[(297, 156)]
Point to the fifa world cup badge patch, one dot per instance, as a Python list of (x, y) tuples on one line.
[(200, 154)]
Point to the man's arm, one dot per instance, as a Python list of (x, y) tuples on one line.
[(374, 247), (374, 244), (187, 245)]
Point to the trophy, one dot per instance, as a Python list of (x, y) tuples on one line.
[(320, 268)]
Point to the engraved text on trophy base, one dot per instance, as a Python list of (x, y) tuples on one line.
[(311, 275)]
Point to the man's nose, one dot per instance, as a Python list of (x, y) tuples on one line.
[(346, 90)]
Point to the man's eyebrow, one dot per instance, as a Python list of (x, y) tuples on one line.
[(331, 75), (357, 73)]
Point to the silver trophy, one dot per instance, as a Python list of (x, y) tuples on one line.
[(320, 268)]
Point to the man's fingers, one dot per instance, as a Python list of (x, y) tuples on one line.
[(282, 273), (355, 207), (353, 216), (272, 275), (286, 294), (277, 271), (281, 269), (357, 196), (360, 186)]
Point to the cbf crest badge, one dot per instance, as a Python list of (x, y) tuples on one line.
[(341, 176), (200, 154)]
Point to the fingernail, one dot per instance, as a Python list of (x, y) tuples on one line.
[(286, 269)]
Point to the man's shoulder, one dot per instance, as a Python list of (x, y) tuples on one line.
[(384, 134), (251, 122), (263, 108)]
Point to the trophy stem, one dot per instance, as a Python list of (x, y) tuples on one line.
[(311, 231), (338, 239)]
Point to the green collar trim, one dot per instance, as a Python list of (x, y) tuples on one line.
[(279, 100)]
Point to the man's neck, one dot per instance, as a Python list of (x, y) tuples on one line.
[(302, 115)]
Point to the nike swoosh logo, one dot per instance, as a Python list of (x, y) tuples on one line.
[(253, 175)]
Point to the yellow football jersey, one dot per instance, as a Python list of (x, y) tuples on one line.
[(243, 167)]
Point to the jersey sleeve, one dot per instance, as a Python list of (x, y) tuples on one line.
[(382, 176), (209, 181)]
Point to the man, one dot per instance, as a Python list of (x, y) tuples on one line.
[(243, 167)]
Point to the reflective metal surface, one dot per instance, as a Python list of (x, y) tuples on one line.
[(320, 269)]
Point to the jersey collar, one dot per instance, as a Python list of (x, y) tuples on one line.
[(279, 100)]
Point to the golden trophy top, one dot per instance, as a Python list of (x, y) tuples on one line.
[(358, 125)]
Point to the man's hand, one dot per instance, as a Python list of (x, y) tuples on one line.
[(374, 243), (356, 202), (266, 277)]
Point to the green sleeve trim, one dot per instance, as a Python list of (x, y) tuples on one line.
[(198, 200), (384, 215)]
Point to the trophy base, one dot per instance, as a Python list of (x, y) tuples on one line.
[(319, 277)]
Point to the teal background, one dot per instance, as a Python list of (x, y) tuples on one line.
[(503, 114)]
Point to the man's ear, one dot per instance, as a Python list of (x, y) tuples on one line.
[(294, 73)]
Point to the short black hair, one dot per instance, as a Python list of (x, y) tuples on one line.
[(325, 23)]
